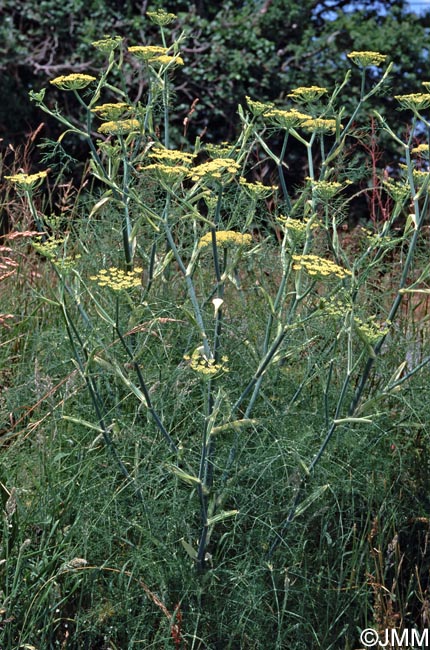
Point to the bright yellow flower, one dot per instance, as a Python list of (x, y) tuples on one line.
[(414, 101), (72, 81), (27, 181), (119, 127), (215, 169), (111, 111), (367, 58), (319, 124), (107, 44), (286, 119), (319, 266), (307, 93), (161, 17), (225, 239), (147, 52), (117, 279)]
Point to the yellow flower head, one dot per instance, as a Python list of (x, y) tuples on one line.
[(296, 228), (319, 267), (172, 156), (204, 366), (117, 279), (414, 101), (307, 93), (398, 190), (225, 239), (161, 17), (219, 168), (258, 108), (286, 119), (72, 81), (111, 111), (257, 190), (167, 59), (319, 125), (49, 247), (167, 172), (107, 43), (370, 331), (366, 58), (147, 52), (27, 182), (119, 127), (325, 189), (421, 150)]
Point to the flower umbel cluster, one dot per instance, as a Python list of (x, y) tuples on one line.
[(258, 108), (161, 17), (286, 119), (319, 266), (217, 169), (307, 93), (166, 172), (366, 58), (296, 228), (119, 127), (370, 331), (398, 190), (27, 181), (319, 125), (74, 81), (117, 279), (422, 149), (414, 101), (107, 44), (257, 190), (325, 190), (172, 156), (111, 111), (200, 363), (155, 54), (225, 239)]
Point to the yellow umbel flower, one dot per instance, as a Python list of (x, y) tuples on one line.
[(325, 190), (398, 190), (53, 249), (147, 52), (167, 172), (286, 119), (111, 111), (307, 93), (107, 43), (258, 108), (172, 156), (161, 17), (370, 331), (27, 181), (166, 59), (225, 239), (119, 127), (422, 150), (219, 168), (414, 101), (296, 228), (257, 190), (117, 279), (74, 81), (319, 266), (367, 58), (319, 125), (201, 364)]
